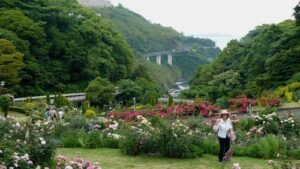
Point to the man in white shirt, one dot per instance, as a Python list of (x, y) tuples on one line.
[(223, 127)]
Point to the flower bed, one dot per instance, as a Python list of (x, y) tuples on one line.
[(25, 145)]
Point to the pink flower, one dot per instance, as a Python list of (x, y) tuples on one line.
[(253, 129)]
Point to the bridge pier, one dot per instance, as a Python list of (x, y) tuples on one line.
[(158, 59), (170, 59)]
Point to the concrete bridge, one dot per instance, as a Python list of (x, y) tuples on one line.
[(169, 53)]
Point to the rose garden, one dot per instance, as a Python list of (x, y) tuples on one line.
[(159, 133)]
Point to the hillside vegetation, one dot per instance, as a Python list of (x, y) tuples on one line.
[(146, 37), (58, 46), (266, 58)]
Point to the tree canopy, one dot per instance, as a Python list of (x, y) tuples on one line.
[(64, 45), (264, 59)]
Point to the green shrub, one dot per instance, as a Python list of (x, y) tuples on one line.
[(39, 145), (194, 122), (133, 142), (176, 143), (239, 150), (267, 110), (178, 147), (296, 154), (211, 145), (110, 142), (92, 139), (197, 150), (267, 147), (246, 124), (297, 95), (254, 151), (5, 103), (77, 122), (90, 113), (71, 140)]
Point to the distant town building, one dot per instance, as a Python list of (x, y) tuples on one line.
[(95, 3)]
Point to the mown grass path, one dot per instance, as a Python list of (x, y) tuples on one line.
[(114, 159)]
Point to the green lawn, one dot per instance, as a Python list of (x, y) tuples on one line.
[(114, 159)]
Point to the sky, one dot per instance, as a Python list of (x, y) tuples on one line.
[(220, 20)]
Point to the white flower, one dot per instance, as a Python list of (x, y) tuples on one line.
[(1, 151), (69, 167), (30, 162), (18, 125), (41, 139), (43, 142)]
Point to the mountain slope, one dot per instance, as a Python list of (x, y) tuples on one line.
[(146, 37), (264, 59), (64, 46)]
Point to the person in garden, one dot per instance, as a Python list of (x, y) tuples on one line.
[(47, 114), (61, 114), (224, 130)]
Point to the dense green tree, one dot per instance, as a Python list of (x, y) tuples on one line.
[(100, 91), (5, 103), (11, 62), (128, 90)]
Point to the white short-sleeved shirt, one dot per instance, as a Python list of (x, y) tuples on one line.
[(223, 128)]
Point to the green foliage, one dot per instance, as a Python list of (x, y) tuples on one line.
[(176, 143), (92, 139), (145, 37), (60, 101), (5, 103), (128, 90), (11, 62), (48, 100), (170, 101), (267, 147), (100, 91), (289, 91), (85, 105), (39, 145), (264, 59), (211, 146), (110, 142), (90, 113), (64, 44), (267, 110), (133, 142), (71, 140), (296, 154), (77, 121)]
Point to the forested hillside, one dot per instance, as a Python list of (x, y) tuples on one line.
[(59, 46), (266, 58), (146, 37)]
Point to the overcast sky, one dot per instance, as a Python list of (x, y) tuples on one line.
[(233, 18)]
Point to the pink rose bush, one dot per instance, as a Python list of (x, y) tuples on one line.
[(77, 163)]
